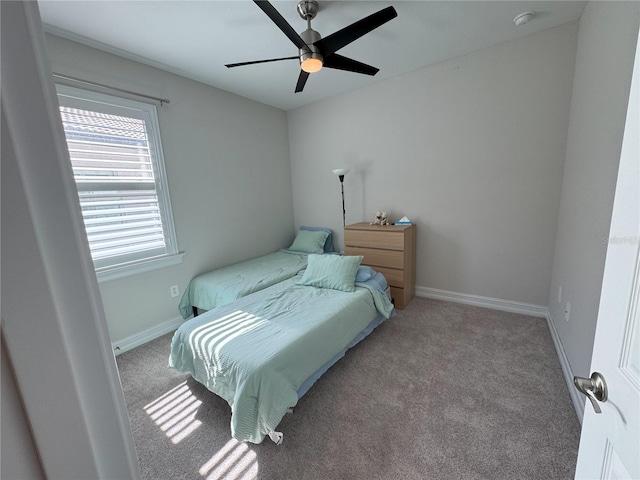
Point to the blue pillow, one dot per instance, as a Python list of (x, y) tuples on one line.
[(309, 241), (378, 282), (364, 273), (332, 271), (328, 244)]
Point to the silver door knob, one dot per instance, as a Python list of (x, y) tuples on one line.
[(595, 388)]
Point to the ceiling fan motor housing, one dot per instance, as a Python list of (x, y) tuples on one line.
[(308, 9), (310, 37)]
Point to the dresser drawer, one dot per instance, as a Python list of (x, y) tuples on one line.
[(395, 277), (386, 240), (401, 297), (378, 258)]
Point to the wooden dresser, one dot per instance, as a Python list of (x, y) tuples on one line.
[(389, 249)]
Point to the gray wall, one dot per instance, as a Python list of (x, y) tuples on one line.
[(604, 62), (228, 170), (470, 149)]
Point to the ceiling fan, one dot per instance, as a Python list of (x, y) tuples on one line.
[(316, 52)]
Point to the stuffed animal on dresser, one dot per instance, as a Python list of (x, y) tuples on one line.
[(382, 218)]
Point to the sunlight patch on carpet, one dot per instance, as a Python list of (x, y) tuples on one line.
[(234, 461), (174, 412)]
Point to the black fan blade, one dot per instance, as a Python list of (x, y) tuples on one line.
[(302, 79), (282, 24), (231, 65), (341, 38), (343, 63)]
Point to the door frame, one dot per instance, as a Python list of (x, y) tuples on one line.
[(52, 316)]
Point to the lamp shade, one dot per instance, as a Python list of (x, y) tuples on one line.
[(340, 171)]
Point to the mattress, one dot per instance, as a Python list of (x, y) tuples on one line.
[(260, 352), (224, 285)]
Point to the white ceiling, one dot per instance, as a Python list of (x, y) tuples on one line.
[(196, 39)]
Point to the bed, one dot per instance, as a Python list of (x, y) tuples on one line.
[(261, 353), (224, 285)]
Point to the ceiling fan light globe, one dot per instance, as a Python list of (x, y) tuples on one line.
[(311, 65)]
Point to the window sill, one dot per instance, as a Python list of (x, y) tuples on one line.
[(107, 274)]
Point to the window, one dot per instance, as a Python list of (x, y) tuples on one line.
[(116, 156)]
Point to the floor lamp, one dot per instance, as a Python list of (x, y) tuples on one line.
[(341, 172)]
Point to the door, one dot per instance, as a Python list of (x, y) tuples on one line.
[(610, 441)]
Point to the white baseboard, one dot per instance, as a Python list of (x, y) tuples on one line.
[(577, 399), (515, 307), (145, 336), (487, 302)]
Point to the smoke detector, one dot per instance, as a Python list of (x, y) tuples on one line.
[(524, 17)]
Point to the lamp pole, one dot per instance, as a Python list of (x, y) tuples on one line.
[(341, 172), (344, 212)]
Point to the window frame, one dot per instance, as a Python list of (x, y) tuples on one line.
[(131, 264)]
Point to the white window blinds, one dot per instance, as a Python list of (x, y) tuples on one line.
[(115, 154)]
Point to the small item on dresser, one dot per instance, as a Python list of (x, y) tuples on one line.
[(382, 218), (404, 221)]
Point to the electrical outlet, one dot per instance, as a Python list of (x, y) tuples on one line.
[(567, 311), (560, 294), (174, 291)]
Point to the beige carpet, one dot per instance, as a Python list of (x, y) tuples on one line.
[(440, 391)]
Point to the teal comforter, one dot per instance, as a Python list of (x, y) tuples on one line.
[(256, 352), (224, 285)]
